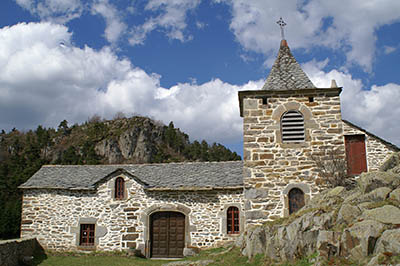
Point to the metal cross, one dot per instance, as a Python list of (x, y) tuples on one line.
[(281, 24)]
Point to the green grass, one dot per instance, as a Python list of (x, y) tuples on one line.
[(219, 256)]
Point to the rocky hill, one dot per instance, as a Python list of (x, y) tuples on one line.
[(342, 226), (97, 141)]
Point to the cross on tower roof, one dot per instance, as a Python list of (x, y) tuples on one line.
[(281, 24)]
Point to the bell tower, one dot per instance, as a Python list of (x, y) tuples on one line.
[(285, 125)]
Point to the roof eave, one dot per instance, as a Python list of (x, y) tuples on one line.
[(193, 188)]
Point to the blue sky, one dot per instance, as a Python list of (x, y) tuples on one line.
[(185, 60)]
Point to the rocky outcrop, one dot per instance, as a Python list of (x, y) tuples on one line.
[(361, 224), (135, 144)]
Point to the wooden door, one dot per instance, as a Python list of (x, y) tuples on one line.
[(167, 234), (355, 154), (296, 200)]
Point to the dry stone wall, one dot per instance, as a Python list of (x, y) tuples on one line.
[(54, 216)]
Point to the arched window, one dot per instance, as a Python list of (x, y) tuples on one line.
[(119, 188), (232, 220), (296, 200), (292, 127)]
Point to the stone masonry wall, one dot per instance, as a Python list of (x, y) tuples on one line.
[(377, 151), (16, 252), (54, 217), (272, 168)]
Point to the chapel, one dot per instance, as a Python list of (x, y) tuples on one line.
[(290, 130)]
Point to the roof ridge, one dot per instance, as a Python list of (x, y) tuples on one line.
[(134, 164)]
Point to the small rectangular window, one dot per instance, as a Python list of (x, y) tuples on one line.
[(311, 99), (87, 235), (233, 220)]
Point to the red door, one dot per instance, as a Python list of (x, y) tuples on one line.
[(167, 234), (355, 154)]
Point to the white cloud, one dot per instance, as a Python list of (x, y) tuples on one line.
[(376, 110), (389, 49), (115, 27), (59, 11), (172, 19), (349, 24), (43, 82)]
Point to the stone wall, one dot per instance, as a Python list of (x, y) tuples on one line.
[(16, 251), (271, 166), (54, 216), (377, 151)]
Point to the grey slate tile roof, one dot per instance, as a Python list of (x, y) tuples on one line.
[(286, 73), (154, 176)]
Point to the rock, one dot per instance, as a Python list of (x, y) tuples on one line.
[(387, 214), (188, 252), (353, 197), (376, 259), (348, 213), (389, 242), (255, 193), (337, 191), (255, 241), (378, 194), (359, 240), (395, 195), (391, 163), (373, 180), (328, 243)]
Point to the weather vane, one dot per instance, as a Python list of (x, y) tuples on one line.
[(281, 24)]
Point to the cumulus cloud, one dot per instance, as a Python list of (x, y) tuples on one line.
[(44, 82), (347, 24), (375, 109), (171, 19)]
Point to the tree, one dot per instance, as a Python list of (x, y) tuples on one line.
[(332, 167)]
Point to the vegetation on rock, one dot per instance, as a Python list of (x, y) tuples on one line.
[(121, 140)]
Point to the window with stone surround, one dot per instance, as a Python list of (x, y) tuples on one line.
[(87, 235), (292, 127), (232, 220), (119, 188)]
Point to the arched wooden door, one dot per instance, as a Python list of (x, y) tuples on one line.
[(296, 200), (167, 234)]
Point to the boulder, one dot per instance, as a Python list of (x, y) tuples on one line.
[(395, 195), (389, 242), (328, 244), (378, 194), (255, 241), (387, 214), (348, 213), (373, 180), (359, 240), (391, 163)]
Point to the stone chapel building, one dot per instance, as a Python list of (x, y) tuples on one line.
[(167, 210)]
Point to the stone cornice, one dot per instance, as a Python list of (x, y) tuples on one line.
[(285, 93)]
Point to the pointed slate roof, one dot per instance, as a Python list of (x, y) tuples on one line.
[(286, 73)]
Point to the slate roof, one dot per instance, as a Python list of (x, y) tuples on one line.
[(171, 176), (286, 73)]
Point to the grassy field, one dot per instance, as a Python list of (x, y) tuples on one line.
[(218, 256)]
